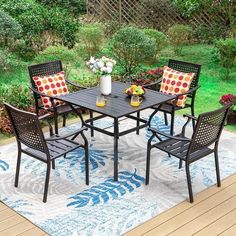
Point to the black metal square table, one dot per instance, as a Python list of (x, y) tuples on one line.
[(117, 106)]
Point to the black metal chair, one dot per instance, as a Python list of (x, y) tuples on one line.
[(51, 68), (28, 132), (171, 108), (204, 141)]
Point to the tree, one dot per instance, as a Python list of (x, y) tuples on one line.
[(10, 29)]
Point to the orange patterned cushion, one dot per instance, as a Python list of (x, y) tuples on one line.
[(52, 85), (176, 82)]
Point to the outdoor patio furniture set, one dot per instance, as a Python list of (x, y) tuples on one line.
[(206, 128)]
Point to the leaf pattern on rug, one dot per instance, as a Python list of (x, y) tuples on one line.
[(107, 190), (96, 157), (158, 123), (3, 165)]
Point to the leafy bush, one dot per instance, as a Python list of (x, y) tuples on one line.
[(52, 53), (159, 37), (17, 95), (74, 6), (132, 47), (10, 29), (92, 37), (227, 54), (227, 51), (208, 34), (179, 35)]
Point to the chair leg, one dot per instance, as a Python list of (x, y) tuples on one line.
[(53, 164), (165, 117), (18, 168), (64, 120), (46, 182), (172, 123), (192, 113), (190, 191), (56, 123), (180, 164), (148, 162), (138, 116), (91, 123), (217, 168)]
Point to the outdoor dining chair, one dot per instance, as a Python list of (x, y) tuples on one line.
[(28, 132), (171, 108), (47, 69), (204, 141)]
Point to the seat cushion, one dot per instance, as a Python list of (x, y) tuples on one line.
[(175, 82), (52, 85)]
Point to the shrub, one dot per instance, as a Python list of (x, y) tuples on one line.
[(227, 51), (132, 47), (10, 29), (159, 37), (208, 34), (179, 35), (227, 54), (91, 37), (74, 6), (52, 53), (17, 95)]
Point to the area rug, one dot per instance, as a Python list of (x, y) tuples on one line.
[(106, 207)]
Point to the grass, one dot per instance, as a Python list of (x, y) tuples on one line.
[(213, 86)]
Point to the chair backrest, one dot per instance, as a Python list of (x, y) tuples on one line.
[(187, 67), (208, 128), (27, 128), (48, 68)]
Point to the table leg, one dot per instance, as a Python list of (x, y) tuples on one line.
[(138, 123), (116, 137)]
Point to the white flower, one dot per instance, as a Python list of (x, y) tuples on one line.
[(94, 70), (109, 70), (109, 64), (103, 69), (100, 64), (92, 60)]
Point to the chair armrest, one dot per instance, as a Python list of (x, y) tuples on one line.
[(189, 91), (75, 84), (153, 84), (57, 137), (155, 131), (189, 116), (45, 116)]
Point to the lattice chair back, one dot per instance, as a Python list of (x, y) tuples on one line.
[(208, 129), (27, 128), (187, 67), (43, 69)]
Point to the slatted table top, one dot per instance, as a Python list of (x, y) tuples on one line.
[(117, 104)]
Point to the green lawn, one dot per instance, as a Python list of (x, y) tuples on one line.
[(212, 85)]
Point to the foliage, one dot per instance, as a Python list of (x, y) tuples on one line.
[(17, 95), (179, 35), (52, 53), (74, 6), (132, 47), (38, 24), (227, 55), (159, 37), (10, 29), (92, 37), (208, 34), (227, 51), (63, 25)]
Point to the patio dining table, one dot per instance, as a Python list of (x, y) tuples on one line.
[(117, 106)]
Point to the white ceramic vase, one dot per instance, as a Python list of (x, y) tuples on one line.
[(105, 84)]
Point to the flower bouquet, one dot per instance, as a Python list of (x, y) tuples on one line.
[(103, 67), (135, 90)]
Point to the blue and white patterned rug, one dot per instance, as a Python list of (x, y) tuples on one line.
[(106, 207)]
